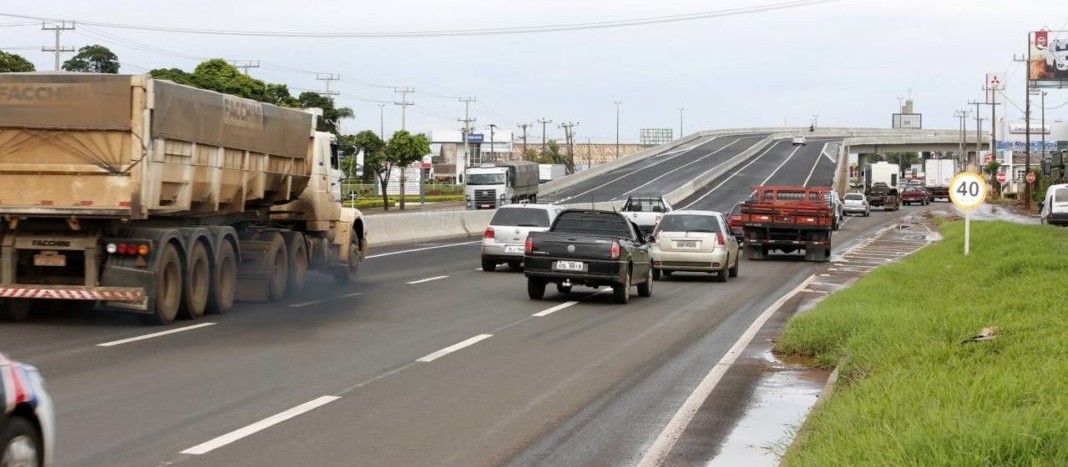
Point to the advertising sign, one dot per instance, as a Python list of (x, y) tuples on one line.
[(1047, 59), (475, 138), (912, 121)]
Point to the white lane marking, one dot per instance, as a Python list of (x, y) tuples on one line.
[(674, 429), (420, 281), (324, 300), (814, 164), (554, 309), (421, 249), (155, 334), (634, 172), (773, 172), (261, 425), (452, 348), (676, 169), (735, 174)]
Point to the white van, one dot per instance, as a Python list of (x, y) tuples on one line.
[(1055, 205)]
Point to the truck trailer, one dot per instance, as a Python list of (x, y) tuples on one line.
[(937, 174), (492, 185), (143, 195)]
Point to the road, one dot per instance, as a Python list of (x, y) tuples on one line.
[(426, 361)]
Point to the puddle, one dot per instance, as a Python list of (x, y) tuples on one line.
[(779, 407)]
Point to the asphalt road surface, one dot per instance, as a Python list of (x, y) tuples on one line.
[(426, 361)]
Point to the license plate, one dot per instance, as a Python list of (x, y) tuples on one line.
[(513, 248), (50, 260), (570, 266), (686, 243)]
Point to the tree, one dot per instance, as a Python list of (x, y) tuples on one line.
[(93, 59), (331, 115), (14, 62), (173, 74), (219, 75), (375, 161), (404, 149)]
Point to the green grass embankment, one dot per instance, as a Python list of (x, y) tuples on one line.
[(910, 391)]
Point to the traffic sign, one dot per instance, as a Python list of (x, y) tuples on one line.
[(967, 190), (1001, 177), (1030, 177)]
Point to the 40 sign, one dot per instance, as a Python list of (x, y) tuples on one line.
[(967, 190)]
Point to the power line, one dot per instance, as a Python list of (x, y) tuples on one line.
[(467, 32)]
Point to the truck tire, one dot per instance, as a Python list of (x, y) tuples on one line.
[(535, 288), (621, 292), (645, 289), (278, 263), (223, 280), (168, 288), (15, 309), (298, 264), (20, 444), (196, 283), (348, 275)]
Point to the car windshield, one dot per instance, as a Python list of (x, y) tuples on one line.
[(485, 179), (854, 197), (689, 223), (520, 217)]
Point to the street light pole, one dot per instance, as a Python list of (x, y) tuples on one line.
[(1043, 129), (617, 128), (681, 109), (381, 121)]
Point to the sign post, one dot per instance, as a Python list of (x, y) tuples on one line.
[(967, 191)]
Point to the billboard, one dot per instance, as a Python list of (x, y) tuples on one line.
[(910, 121), (1047, 65), (655, 136)]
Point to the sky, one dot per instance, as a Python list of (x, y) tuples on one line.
[(841, 63)]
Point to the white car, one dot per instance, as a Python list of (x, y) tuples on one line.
[(695, 241), (856, 203), (1057, 55), (799, 141), (27, 419), (502, 242), (1054, 207), (645, 210)]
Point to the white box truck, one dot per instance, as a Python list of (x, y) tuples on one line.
[(937, 174)]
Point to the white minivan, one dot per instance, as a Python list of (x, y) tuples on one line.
[(1055, 205)]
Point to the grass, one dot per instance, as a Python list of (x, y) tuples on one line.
[(910, 390)]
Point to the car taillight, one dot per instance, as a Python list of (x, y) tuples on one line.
[(528, 247), (615, 249), (719, 239), (121, 249), (489, 233)]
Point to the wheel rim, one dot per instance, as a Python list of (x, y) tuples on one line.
[(21, 451)]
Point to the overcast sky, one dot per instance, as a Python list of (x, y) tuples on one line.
[(846, 61)]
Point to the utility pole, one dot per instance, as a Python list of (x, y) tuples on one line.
[(1043, 130), (543, 122), (992, 98), (815, 120), (681, 109), (569, 134), (58, 27), (492, 156), (524, 126), (404, 102), (978, 136), (382, 121), (1026, 59), (327, 78), (244, 65), (617, 128), (467, 121), (962, 115)]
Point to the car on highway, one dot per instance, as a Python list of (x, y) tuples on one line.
[(835, 202), (646, 210), (591, 248), (915, 194), (799, 141), (856, 203), (695, 241), (502, 241), (27, 419)]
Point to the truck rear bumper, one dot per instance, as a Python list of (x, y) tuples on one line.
[(126, 297)]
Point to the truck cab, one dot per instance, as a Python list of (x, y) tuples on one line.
[(492, 185)]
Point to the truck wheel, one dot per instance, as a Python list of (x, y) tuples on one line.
[(197, 283), (489, 265), (621, 292), (535, 288), (348, 276), (645, 289), (223, 280), (278, 262), (15, 309), (168, 288), (20, 444), (298, 264), (733, 272)]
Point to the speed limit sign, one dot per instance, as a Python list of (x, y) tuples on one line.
[(967, 190)]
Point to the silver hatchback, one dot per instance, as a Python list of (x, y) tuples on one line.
[(503, 240), (697, 241)]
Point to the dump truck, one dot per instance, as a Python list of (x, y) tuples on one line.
[(492, 185), (138, 194), (788, 219)]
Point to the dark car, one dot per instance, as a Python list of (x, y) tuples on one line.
[(590, 248), (913, 194), (27, 420)]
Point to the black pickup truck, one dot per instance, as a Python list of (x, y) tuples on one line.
[(590, 248)]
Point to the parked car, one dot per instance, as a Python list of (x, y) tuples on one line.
[(646, 210), (914, 194), (27, 420), (856, 203), (591, 248), (695, 241), (799, 141), (1054, 207), (502, 242)]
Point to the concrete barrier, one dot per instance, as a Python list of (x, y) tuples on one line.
[(416, 227)]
